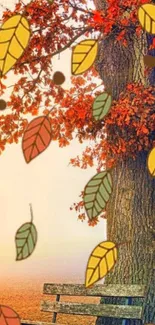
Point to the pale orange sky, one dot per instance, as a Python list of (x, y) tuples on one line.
[(64, 243)]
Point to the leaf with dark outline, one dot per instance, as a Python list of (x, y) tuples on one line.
[(97, 193), (26, 239), (101, 261), (146, 16), (8, 316), (37, 137), (101, 106), (83, 56), (14, 39)]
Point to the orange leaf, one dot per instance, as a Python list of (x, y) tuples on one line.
[(97, 16), (144, 129), (120, 35), (8, 316), (37, 137), (82, 114)]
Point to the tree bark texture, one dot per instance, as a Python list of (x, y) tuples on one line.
[(119, 65), (131, 217), (131, 210)]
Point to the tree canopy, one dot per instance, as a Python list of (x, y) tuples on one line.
[(55, 27)]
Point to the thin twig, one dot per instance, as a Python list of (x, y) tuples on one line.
[(33, 83), (88, 29), (81, 9), (97, 87), (31, 211)]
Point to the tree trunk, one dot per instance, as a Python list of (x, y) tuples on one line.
[(119, 65), (130, 216), (131, 213), (131, 210)]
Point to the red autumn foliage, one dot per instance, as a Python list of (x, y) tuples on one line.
[(55, 28)]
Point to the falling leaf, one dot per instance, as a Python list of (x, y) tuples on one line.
[(83, 56), (14, 38), (151, 162), (149, 60), (26, 239), (37, 137), (2, 104), (97, 193), (8, 316), (101, 261), (58, 78), (146, 16), (101, 106)]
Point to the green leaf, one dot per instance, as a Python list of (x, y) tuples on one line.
[(26, 239), (97, 193), (101, 106)]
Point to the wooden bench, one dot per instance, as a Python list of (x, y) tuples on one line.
[(104, 310)]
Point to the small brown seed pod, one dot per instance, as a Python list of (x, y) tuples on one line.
[(58, 78), (2, 104), (149, 60)]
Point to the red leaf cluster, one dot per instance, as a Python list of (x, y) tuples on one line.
[(118, 13)]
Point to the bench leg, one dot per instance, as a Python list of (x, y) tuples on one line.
[(55, 314)]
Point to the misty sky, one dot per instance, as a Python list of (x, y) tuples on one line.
[(64, 243)]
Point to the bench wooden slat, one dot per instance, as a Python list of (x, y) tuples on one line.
[(97, 290), (105, 310), (23, 321)]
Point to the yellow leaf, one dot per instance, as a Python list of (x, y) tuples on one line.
[(100, 262), (83, 56), (146, 16), (151, 162), (14, 38)]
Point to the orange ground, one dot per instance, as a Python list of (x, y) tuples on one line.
[(24, 298)]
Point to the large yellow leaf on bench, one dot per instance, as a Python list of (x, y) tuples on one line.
[(101, 261), (14, 38)]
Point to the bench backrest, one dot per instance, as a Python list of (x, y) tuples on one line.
[(104, 310)]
